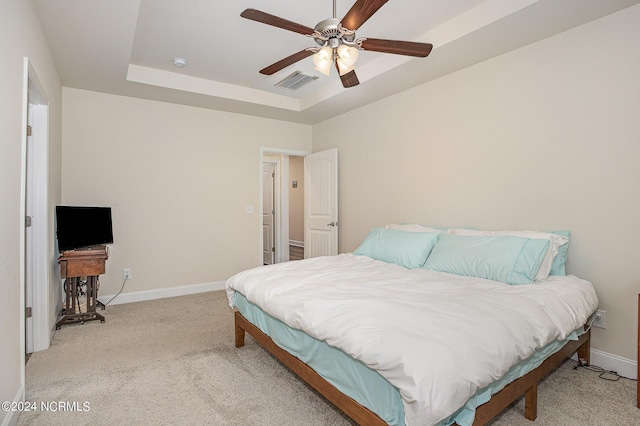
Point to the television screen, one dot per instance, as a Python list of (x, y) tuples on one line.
[(79, 227)]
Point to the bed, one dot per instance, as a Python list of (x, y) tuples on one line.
[(421, 328)]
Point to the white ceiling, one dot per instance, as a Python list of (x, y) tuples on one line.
[(126, 47)]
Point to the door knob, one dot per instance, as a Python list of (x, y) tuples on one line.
[(332, 224)]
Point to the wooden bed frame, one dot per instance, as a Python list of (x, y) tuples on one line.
[(527, 384)]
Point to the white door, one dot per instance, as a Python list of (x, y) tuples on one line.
[(38, 296), (321, 204), (28, 233), (268, 213)]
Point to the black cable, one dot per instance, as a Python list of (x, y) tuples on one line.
[(609, 375), (121, 288)]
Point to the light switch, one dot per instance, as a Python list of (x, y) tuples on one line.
[(248, 209)]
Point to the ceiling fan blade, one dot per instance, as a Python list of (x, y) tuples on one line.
[(349, 79), (409, 48), (265, 18), (274, 68), (360, 12)]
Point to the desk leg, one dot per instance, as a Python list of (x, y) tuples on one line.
[(99, 303), (71, 291), (70, 314), (92, 295), (67, 292)]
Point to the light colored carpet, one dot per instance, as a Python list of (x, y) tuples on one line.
[(173, 362)]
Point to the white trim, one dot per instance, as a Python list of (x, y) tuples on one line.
[(623, 366), (21, 223), (162, 293), (11, 419), (276, 160), (296, 243), (283, 222), (203, 86), (293, 152)]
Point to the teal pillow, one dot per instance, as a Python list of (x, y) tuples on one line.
[(561, 258), (408, 249), (505, 258)]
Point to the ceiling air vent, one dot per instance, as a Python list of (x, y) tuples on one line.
[(296, 80)]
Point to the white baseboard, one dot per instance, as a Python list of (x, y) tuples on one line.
[(296, 243), (161, 293), (623, 366), (11, 417)]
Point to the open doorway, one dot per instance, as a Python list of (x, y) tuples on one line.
[(318, 187), (282, 206)]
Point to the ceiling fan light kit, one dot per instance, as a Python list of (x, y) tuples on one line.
[(346, 57), (322, 60), (338, 41)]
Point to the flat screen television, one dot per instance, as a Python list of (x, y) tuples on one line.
[(80, 227)]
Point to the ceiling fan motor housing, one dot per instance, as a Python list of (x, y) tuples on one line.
[(330, 32)]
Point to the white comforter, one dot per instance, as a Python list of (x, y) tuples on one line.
[(437, 337)]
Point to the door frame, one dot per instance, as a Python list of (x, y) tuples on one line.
[(275, 200), (282, 198), (35, 111)]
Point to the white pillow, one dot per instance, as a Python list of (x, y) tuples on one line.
[(555, 241), (412, 228)]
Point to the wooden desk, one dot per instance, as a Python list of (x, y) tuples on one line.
[(74, 266)]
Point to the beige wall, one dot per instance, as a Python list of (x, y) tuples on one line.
[(178, 179), (546, 137), (21, 36), (296, 199)]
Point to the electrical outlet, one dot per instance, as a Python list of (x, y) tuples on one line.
[(126, 273), (601, 319)]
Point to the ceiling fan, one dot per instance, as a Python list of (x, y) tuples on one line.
[(337, 40)]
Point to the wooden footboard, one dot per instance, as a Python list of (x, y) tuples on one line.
[(349, 406), (526, 385)]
